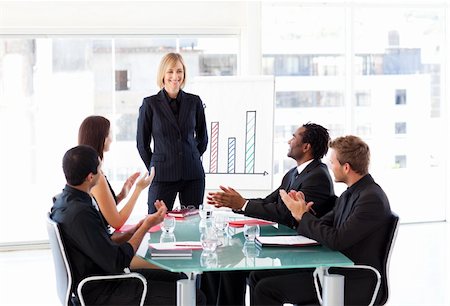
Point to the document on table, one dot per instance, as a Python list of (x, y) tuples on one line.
[(171, 253), (285, 241), (181, 245)]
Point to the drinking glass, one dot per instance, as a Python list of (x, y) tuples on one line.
[(221, 224), (209, 239), (208, 259), (168, 224), (251, 250), (205, 211), (251, 231), (167, 237)]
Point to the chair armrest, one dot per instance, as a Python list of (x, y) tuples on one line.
[(109, 277), (318, 273)]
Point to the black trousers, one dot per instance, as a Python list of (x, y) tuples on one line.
[(224, 288), (275, 287), (191, 192), (161, 290)]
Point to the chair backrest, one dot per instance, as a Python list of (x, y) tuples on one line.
[(62, 268), (390, 241)]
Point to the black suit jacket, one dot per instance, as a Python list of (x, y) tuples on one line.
[(357, 227), (314, 181), (178, 144)]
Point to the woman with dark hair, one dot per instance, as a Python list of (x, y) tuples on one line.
[(175, 122), (95, 131)]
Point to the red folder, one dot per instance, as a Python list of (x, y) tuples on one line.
[(241, 223), (182, 213), (127, 227)]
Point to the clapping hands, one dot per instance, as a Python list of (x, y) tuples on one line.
[(143, 183), (158, 216), (146, 179), (296, 203), (228, 197)]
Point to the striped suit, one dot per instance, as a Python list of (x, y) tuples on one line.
[(177, 148)]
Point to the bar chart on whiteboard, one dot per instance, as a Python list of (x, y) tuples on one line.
[(239, 114)]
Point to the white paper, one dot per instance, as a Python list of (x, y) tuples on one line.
[(181, 245), (286, 240)]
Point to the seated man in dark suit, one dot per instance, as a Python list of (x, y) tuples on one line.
[(357, 227), (92, 250), (307, 146)]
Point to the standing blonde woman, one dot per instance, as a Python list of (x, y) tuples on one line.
[(175, 122), (95, 131)]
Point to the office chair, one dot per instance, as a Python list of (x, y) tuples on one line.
[(63, 271), (383, 277)]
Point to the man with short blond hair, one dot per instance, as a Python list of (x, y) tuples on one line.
[(357, 226)]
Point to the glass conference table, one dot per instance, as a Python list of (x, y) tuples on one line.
[(235, 254)]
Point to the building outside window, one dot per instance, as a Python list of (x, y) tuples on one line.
[(400, 161), (400, 96), (400, 128), (122, 81), (362, 98), (355, 75)]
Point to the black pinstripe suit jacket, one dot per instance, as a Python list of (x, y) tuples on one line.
[(178, 144)]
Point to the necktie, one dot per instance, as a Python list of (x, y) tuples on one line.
[(292, 180)]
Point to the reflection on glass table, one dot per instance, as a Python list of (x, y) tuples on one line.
[(234, 253)]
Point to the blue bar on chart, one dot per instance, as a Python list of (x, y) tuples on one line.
[(231, 155), (214, 152), (250, 133)]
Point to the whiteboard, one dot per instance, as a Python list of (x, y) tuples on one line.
[(240, 115)]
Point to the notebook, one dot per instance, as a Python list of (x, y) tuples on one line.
[(181, 213)]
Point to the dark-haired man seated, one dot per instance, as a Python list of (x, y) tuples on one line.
[(92, 250), (307, 146), (357, 227)]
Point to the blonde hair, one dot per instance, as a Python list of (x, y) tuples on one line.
[(169, 60)]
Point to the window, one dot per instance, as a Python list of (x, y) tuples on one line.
[(217, 64), (400, 128), (291, 99), (362, 98), (364, 130), (49, 85), (400, 161), (122, 82), (400, 97), (355, 76)]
